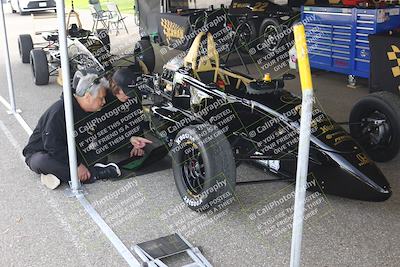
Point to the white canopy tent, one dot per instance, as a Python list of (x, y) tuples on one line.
[(76, 189)]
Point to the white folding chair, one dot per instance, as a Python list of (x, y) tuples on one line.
[(116, 20), (98, 15)]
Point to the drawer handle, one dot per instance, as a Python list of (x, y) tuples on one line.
[(319, 43), (342, 33), (366, 15), (341, 39), (313, 31), (338, 45), (365, 28), (320, 48), (319, 54), (365, 21), (342, 52), (362, 60), (339, 57), (318, 25), (342, 27), (327, 13)]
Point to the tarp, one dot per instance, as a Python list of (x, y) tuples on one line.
[(149, 12)]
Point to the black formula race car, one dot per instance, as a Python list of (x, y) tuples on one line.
[(213, 118), (86, 50), (262, 23)]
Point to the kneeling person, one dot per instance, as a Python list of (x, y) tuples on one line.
[(47, 151), (127, 100)]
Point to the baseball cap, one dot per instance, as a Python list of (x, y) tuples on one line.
[(126, 78)]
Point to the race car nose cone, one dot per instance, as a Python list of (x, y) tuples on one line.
[(376, 194), (348, 181), (385, 194), (371, 183), (373, 191)]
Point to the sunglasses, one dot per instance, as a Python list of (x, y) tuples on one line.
[(95, 81)]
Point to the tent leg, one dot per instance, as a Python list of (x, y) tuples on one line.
[(69, 192), (11, 94), (304, 143), (69, 116)]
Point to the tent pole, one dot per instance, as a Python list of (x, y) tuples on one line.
[(69, 116), (8, 64), (304, 143)]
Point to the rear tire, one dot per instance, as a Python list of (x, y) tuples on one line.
[(144, 52), (269, 32), (204, 167), (25, 45), (40, 68), (375, 124)]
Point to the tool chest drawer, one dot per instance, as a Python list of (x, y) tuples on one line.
[(337, 38)]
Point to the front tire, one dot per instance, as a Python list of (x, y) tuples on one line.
[(25, 45), (40, 68), (246, 34), (204, 167), (375, 124)]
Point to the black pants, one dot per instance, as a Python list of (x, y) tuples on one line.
[(43, 163)]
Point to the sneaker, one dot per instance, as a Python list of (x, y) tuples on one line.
[(50, 181), (106, 171)]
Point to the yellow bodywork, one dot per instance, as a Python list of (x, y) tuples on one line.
[(210, 61)]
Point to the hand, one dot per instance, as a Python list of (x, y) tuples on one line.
[(139, 142), (136, 152), (83, 173)]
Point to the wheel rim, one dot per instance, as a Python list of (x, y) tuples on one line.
[(273, 42), (376, 131), (244, 35), (193, 169)]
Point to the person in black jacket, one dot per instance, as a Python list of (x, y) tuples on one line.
[(47, 152), (124, 100)]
